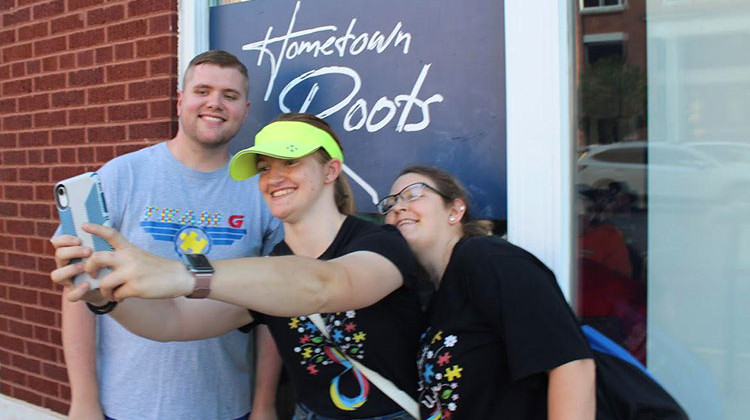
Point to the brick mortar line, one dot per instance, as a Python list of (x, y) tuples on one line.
[(78, 108), (98, 125), (85, 9), (30, 289), (66, 72), (29, 356), (34, 306), (94, 47), (36, 391), (36, 341), (89, 48)]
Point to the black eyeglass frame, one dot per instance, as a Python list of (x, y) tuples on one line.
[(398, 195)]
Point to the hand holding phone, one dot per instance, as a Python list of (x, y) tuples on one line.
[(80, 200)]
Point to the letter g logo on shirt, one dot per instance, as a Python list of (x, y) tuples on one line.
[(236, 220)]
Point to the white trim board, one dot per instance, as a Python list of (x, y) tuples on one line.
[(538, 82), (192, 30)]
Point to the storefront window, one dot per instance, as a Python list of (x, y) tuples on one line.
[(663, 190)]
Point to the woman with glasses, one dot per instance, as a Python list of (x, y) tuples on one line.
[(359, 276), (501, 341)]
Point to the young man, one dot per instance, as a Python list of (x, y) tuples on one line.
[(175, 198)]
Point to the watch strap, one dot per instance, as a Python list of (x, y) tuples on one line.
[(202, 271), (202, 285)]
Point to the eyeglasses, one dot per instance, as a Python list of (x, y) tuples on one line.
[(408, 193)]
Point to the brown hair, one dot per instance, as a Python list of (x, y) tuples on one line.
[(342, 191), (451, 189), (219, 58)]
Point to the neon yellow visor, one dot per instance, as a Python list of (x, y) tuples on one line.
[(283, 140)]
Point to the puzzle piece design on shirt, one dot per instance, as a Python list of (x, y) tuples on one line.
[(453, 373), (439, 389), (192, 243)]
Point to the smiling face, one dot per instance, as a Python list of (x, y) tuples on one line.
[(213, 104), (291, 187), (423, 220)]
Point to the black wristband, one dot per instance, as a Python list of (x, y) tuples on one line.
[(101, 310)]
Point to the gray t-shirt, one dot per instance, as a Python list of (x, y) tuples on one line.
[(167, 208)]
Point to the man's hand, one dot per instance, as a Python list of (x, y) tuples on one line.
[(68, 248)]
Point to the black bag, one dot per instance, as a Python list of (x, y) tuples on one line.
[(625, 390)]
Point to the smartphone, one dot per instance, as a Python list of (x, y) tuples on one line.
[(79, 200)]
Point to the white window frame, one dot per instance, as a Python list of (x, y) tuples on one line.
[(539, 98), (538, 45), (192, 29), (602, 8)]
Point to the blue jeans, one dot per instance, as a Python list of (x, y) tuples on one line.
[(301, 412)]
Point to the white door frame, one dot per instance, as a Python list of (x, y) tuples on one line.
[(539, 69)]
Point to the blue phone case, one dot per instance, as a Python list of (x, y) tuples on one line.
[(79, 200)]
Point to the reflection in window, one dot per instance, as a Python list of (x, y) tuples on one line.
[(611, 180), (591, 4), (723, 151), (596, 51), (663, 191), (636, 155)]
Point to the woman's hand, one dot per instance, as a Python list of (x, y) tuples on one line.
[(68, 248), (135, 272)]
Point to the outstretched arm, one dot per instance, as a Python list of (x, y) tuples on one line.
[(179, 319), (280, 286), (291, 285), (571, 393), (164, 320)]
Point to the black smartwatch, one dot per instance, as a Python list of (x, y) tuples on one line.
[(203, 271)]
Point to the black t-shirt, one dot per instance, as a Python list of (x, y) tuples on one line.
[(383, 337), (498, 322)]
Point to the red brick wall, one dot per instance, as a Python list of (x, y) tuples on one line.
[(81, 81)]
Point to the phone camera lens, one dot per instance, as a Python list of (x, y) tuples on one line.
[(61, 196)]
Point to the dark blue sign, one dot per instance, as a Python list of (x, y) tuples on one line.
[(401, 82)]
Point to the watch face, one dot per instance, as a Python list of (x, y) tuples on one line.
[(198, 262)]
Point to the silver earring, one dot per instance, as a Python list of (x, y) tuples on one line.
[(452, 219)]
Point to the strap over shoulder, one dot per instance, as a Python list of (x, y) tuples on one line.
[(384, 385)]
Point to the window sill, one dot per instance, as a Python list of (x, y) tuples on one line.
[(602, 9)]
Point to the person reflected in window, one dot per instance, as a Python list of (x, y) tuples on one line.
[(599, 241), (609, 298)]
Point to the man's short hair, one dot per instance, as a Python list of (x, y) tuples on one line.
[(219, 58)]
